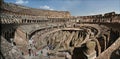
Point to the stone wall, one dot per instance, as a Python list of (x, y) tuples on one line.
[(58, 29), (34, 12), (7, 51), (20, 37), (107, 54), (107, 17)]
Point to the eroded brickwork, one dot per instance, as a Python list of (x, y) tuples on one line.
[(58, 33)]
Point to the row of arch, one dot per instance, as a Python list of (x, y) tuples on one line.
[(7, 19), (107, 19)]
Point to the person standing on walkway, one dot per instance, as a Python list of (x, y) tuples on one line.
[(34, 48), (30, 43), (11, 39)]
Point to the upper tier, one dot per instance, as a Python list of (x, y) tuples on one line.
[(34, 12)]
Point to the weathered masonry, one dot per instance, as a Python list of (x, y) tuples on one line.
[(83, 37)]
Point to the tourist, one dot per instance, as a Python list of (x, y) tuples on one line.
[(29, 49), (34, 48), (11, 39), (30, 45)]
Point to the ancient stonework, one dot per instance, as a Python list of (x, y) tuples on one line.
[(8, 51), (47, 34)]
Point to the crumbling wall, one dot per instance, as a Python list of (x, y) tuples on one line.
[(8, 51)]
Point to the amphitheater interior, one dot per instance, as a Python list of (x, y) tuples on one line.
[(57, 34)]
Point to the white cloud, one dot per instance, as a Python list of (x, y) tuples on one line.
[(46, 7), (21, 2), (95, 13), (101, 11)]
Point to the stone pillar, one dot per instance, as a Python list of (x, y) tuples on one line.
[(90, 52)]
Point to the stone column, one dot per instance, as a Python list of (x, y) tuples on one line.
[(90, 52)]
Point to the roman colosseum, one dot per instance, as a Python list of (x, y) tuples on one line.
[(57, 34)]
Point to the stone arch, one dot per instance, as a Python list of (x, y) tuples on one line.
[(107, 40), (33, 32), (92, 27), (102, 41)]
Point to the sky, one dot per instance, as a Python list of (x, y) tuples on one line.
[(75, 7)]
